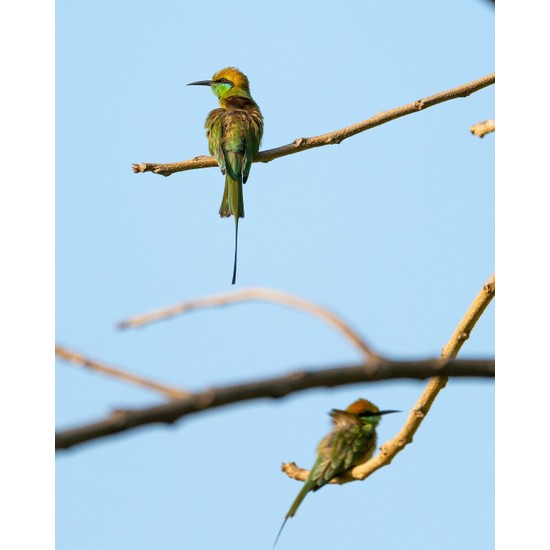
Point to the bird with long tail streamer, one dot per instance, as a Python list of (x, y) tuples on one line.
[(234, 133)]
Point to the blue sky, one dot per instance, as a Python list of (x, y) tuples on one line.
[(393, 229)]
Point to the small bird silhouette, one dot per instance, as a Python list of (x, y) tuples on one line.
[(352, 441), (234, 133)]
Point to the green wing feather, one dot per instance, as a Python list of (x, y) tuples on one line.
[(233, 140), (252, 145), (214, 133)]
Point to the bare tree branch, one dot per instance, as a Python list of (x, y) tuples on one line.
[(471, 317), (482, 128), (167, 413), (272, 295), (331, 138), (78, 359), (422, 406)]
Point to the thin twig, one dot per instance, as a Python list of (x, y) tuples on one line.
[(271, 295), (331, 138), (375, 370), (405, 436), (482, 128), (78, 359)]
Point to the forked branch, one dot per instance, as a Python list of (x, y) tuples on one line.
[(405, 436), (375, 369)]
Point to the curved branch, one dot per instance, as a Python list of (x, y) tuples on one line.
[(422, 406), (271, 295), (331, 138), (375, 370), (78, 359)]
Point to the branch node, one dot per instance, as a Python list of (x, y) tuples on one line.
[(288, 466), (384, 450), (205, 399), (136, 168), (162, 172), (489, 287), (298, 375), (119, 418)]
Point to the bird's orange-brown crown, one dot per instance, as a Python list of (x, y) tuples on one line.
[(362, 406), (238, 79)]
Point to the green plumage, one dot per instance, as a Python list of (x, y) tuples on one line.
[(352, 441), (234, 133)]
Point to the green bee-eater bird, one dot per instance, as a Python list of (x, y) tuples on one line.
[(234, 133), (352, 441)]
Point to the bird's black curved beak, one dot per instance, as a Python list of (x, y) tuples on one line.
[(380, 413), (200, 83)]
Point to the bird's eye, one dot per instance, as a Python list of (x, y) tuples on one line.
[(224, 81)]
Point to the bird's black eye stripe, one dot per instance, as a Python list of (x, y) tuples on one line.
[(367, 413)]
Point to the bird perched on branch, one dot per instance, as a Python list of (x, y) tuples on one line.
[(234, 133), (352, 441)]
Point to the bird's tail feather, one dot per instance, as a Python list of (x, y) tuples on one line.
[(233, 205), (235, 258), (279, 533), (298, 500), (295, 505)]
